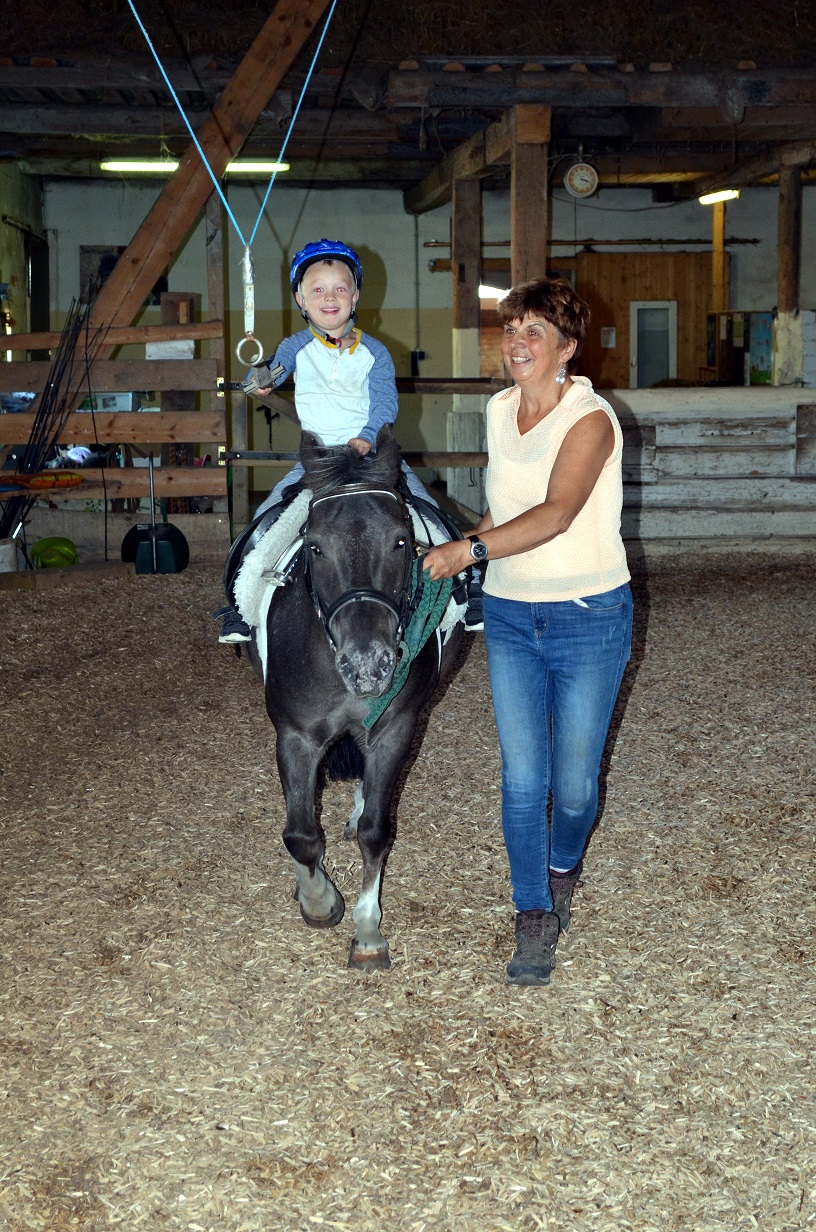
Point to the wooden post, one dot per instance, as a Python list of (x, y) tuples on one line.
[(466, 255), (788, 344), (177, 308), (466, 421), (720, 297), (529, 220), (789, 239), (235, 403), (158, 238)]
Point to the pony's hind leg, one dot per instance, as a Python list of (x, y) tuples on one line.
[(350, 828)]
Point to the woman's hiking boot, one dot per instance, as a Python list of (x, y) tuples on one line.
[(562, 885), (536, 939)]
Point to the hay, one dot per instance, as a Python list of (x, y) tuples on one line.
[(180, 1052)]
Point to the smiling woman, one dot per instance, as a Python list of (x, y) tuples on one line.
[(557, 606)]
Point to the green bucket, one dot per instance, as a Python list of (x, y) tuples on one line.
[(53, 552)]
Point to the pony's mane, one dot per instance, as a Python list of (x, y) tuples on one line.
[(332, 467)]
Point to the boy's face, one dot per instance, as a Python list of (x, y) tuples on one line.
[(328, 294)]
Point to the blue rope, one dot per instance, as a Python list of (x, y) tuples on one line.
[(294, 118), (212, 175)]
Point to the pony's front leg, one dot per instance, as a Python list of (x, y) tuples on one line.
[(369, 949), (321, 903)]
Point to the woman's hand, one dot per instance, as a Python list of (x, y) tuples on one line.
[(447, 559), (361, 446)]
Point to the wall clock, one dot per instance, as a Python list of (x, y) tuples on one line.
[(581, 180)]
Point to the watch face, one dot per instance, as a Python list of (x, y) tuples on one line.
[(581, 180), (478, 550)]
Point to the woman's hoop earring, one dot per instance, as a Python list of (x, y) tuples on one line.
[(562, 375)]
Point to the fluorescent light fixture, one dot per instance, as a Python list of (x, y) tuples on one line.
[(247, 167), (725, 194), (166, 166), (153, 166), (486, 292)]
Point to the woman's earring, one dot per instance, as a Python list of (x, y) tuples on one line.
[(562, 375)]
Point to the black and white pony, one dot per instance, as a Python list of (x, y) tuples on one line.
[(327, 648)]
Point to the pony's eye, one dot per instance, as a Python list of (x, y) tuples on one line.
[(314, 549), (400, 543)]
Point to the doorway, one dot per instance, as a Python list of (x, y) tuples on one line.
[(652, 342)]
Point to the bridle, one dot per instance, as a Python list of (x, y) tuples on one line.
[(408, 601)]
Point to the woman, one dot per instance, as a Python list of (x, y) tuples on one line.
[(557, 604)]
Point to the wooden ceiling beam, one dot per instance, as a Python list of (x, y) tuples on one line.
[(470, 160), (729, 93), (794, 154), (178, 206)]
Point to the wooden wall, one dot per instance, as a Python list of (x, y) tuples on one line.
[(609, 282)]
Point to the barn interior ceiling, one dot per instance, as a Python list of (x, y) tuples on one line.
[(673, 97)]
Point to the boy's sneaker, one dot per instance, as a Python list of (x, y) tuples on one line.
[(233, 628), (473, 615)]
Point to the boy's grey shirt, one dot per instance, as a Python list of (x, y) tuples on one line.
[(382, 385)]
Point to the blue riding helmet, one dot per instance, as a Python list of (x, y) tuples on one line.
[(325, 250)]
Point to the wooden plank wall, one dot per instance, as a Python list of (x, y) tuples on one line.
[(609, 282), (713, 464), (130, 427)]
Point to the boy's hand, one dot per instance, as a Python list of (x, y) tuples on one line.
[(362, 447)]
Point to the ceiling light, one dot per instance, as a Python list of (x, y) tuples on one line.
[(486, 292), (246, 167), (153, 166), (166, 166), (725, 194)]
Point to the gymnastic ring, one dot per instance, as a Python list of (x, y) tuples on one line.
[(257, 357)]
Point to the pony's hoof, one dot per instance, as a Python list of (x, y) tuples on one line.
[(361, 959), (350, 831), (328, 921)]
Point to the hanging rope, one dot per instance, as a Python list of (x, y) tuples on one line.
[(247, 268)]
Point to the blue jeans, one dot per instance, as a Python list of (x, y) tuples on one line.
[(555, 671)]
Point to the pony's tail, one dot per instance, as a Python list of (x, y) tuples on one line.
[(344, 760)]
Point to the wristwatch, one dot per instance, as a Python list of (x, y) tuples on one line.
[(478, 549)]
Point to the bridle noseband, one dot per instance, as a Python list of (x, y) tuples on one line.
[(363, 594)]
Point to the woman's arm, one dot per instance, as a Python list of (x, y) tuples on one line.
[(581, 458)]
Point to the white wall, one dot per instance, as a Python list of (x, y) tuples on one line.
[(374, 222)]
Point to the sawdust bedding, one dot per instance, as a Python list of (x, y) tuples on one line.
[(180, 1052)]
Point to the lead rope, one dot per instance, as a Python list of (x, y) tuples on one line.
[(247, 268)]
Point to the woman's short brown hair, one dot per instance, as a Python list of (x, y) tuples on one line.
[(554, 300)]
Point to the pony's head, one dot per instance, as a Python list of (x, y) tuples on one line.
[(359, 555)]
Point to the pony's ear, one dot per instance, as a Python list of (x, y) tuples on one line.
[(312, 450), (385, 463)]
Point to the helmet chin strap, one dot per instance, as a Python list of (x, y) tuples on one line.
[(334, 339)]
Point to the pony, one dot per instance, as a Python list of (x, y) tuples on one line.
[(326, 651)]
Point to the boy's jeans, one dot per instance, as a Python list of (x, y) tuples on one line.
[(555, 671)]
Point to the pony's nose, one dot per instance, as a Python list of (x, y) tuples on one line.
[(367, 673)]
